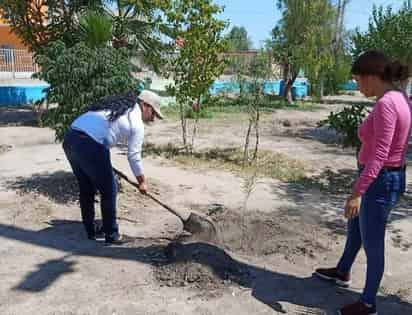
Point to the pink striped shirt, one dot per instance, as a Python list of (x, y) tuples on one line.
[(384, 136)]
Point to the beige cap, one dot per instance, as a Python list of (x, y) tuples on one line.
[(153, 100)]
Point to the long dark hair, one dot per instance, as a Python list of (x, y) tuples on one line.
[(117, 104), (374, 62)]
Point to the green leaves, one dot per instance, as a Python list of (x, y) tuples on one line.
[(346, 123), (197, 63), (302, 39), (388, 31), (95, 29), (79, 76), (132, 24), (238, 39)]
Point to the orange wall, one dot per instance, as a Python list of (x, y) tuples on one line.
[(10, 39)]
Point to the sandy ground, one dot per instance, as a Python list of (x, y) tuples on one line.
[(269, 250)]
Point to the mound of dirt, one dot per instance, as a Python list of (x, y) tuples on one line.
[(211, 269), (201, 266), (262, 234)]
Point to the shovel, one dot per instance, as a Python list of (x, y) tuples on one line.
[(193, 223)]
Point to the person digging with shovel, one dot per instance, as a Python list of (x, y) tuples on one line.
[(87, 143)]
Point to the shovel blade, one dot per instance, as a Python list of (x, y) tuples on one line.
[(200, 227)]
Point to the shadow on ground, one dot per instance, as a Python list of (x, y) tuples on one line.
[(321, 198), (60, 187), (306, 294)]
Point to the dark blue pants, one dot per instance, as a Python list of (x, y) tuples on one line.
[(91, 164), (368, 230)]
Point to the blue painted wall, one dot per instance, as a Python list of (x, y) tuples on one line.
[(21, 95)]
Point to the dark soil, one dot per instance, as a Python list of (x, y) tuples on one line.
[(211, 269)]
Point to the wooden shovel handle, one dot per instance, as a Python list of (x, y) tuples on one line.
[(126, 178)]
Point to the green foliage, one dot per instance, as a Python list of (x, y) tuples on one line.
[(301, 39), (79, 76), (337, 74), (134, 24), (28, 20), (95, 29), (238, 66), (198, 63), (346, 123), (238, 39), (203, 112), (388, 31)]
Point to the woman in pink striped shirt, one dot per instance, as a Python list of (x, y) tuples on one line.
[(384, 139)]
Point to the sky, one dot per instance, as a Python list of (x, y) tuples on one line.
[(260, 16)]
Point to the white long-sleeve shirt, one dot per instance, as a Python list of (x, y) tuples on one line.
[(128, 128)]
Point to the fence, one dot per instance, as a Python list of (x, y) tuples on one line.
[(14, 61)]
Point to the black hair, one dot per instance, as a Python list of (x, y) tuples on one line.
[(117, 104), (374, 62)]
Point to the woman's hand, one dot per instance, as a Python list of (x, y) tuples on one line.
[(143, 188), (142, 184), (352, 206)]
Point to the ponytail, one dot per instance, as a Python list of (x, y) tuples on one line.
[(117, 105), (395, 72)]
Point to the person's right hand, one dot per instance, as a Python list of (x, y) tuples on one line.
[(142, 188)]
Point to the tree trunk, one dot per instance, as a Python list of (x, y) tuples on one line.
[(197, 113), (322, 89), (337, 31), (183, 124), (246, 147), (339, 25), (255, 153), (288, 87), (342, 21)]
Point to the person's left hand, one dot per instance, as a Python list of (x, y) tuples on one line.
[(352, 206)]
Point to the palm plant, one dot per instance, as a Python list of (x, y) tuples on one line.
[(134, 24), (96, 29)]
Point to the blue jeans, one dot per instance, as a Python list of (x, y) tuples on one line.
[(369, 229), (91, 164)]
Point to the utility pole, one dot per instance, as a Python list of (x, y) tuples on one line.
[(342, 22), (339, 25)]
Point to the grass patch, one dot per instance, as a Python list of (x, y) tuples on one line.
[(269, 164), (218, 105)]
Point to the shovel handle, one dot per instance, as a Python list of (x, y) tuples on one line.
[(127, 179)]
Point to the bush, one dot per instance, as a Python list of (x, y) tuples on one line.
[(79, 76), (346, 123)]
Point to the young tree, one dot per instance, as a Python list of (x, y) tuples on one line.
[(197, 63), (259, 71)]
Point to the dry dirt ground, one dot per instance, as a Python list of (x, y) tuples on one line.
[(269, 248)]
